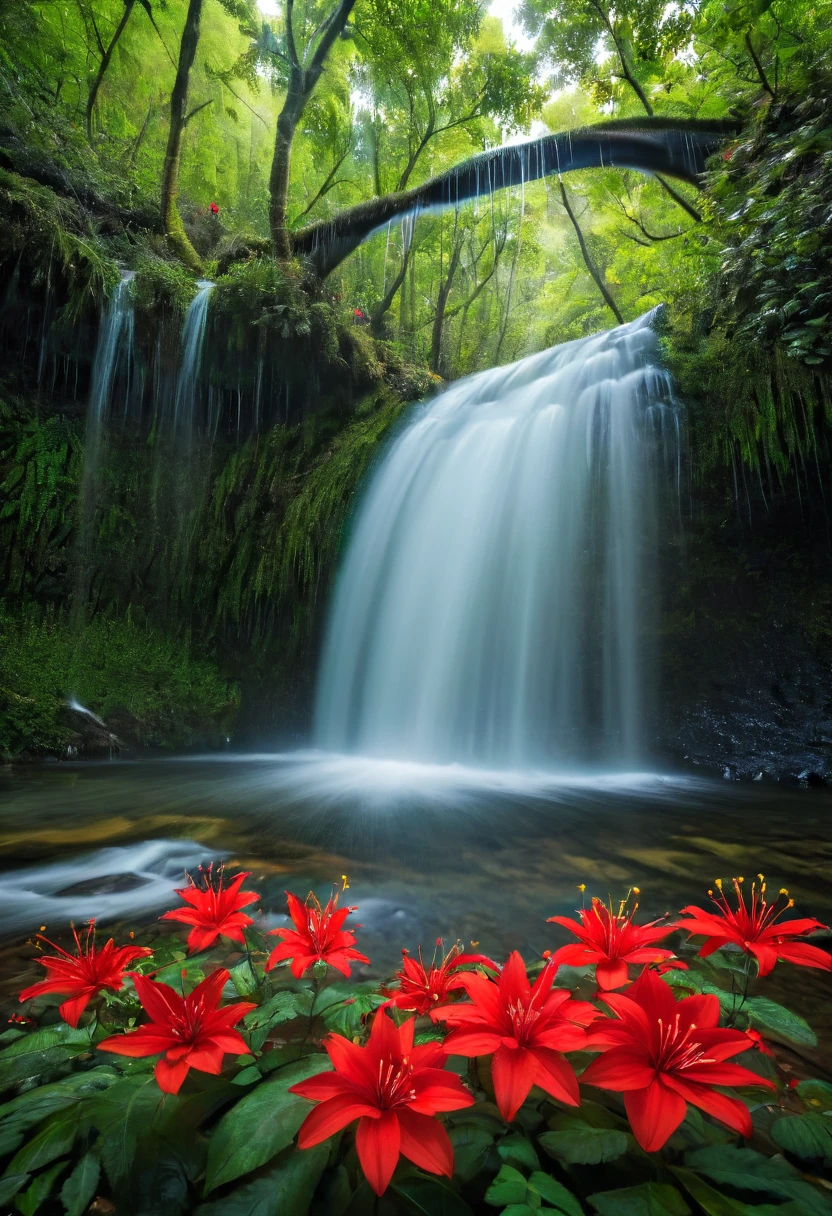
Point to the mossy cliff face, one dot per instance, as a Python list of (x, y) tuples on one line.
[(192, 577)]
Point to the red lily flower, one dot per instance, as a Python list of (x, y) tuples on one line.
[(81, 976), (393, 1089), (662, 1053), (316, 937), (755, 929), (424, 988), (610, 941), (189, 1032), (524, 1028), (214, 909)]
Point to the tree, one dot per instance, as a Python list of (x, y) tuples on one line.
[(301, 62)]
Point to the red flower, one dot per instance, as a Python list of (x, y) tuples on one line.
[(81, 976), (611, 941), (755, 929), (214, 909), (424, 988), (393, 1089), (189, 1032), (524, 1028), (662, 1054), (316, 937), (758, 1041)]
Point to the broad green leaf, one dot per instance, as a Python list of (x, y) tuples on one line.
[(54, 1139), (78, 1191), (519, 1209), (30, 1107), (282, 1007), (472, 1143), (284, 1189), (648, 1199), (779, 1022), (429, 1197), (39, 1052), (10, 1184), (814, 1093), (30, 1200), (508, 1187), (576, 1143), (121, 1116), (709, 1199), (262, 1123), (807, 1136), (247, 1076), (244, 978), (347, 1018), (518, 1150), (743, 1169), (554, 1193)]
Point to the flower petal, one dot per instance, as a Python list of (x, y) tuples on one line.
[(513, 1074), (170, 1076), (620, 1069), (425, 1142), (554, 1075), (333, 1114), (378, 1142), (654, 1114)]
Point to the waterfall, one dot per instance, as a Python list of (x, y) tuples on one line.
[(494, 605), (193, 336), (113, 364)]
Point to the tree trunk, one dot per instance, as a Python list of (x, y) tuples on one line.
[(441, 303), (677, 147), (105, 63), (302, 82), (171, 219), (588, 262), (383, 306), (281, 166)]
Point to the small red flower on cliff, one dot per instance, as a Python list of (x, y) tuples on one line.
[(393, 1089), (611, 940), (523, 1028), (662, 1054), (188, 1032), (318, 936), (424, 988), (214, 909), (81, 976), (755, 927)]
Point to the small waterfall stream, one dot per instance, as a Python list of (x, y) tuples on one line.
[(495, 601), (193, 338)]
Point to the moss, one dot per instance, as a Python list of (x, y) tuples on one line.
[(53, 237), (161, 289), (153, 686)]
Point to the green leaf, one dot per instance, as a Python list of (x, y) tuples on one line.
[(30, 1107), (54, 1139), (285, 1189), (519, 1209), (10, 1184), (708, 1198), (813, 1092), (518, 1150), (575, 1143), (262, 1123), (347, 1018), (807, 1136), (121, 1116), (247, 1076), (779, 1022), (80, 1187), (508, 1187), (282, 1007), (743, 1169), (648, 1199), (39, 1052), (31, 1199), (428, 1197), (244, 978), (555, 1193), (472, 1143)]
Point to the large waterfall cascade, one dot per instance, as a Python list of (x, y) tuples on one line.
[(494, 605)]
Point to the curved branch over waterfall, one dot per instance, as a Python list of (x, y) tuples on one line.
[(674, 147)]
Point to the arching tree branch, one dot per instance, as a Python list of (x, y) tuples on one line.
[(674, 147)]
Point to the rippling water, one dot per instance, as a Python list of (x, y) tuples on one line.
[(430, 850)]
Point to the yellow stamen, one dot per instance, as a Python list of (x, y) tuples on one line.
[(636, 891), (783, 891), (581, 887), (718, 884), (344, 884)]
